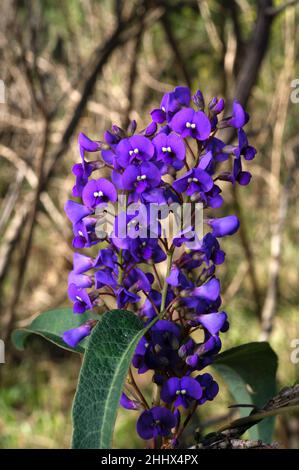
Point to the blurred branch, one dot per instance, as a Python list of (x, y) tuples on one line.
[(248, 74), (209, 25), (179, 61), (228, 436), (270, 303), (124, 31), (10, 200), (233, 8), (40, 99), (248, 252), (133, 74), (255, 52), (9, 317), (30, 176), (121, 35), (236, 283), (118, 7), (274, 11), (279, 198), (12, 235)]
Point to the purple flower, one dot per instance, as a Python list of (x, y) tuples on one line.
[(141, 178), (129, 404), (135, 149), (87, 145), (187, 237), (212, 322), (149, 168), (148, 310), (76, 212), (157, 421), (170, 150), (218, 149), (82, 263), (243, 148), (151, 129), (105, 277), (224, 225), (138, 280), (75, 335), (106, 257), (190, 123), (80, 298), (178, 279), (239, 117), (194, 181), (160, 350), (242, 177), (98, 191), (84, 232), (171, 103), (124, 297), (237, 175), (82, 174), (210, 388), (198, 100), (204, 297), (216, 105), (208, 291), (146, 249), (80, 280), (181, 392), (211, 249)]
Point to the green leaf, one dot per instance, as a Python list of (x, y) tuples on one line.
[(250, 374), (105, 366), (51, 325)]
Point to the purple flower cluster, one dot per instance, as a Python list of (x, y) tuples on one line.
[(177, 158)]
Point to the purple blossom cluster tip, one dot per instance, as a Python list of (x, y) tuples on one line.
[(177, 158)]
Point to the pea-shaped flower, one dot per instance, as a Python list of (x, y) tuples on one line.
[(133, 150), (157, 421), (190, 123), (141, 178), (170, 150), (98, 191), (181, 392)]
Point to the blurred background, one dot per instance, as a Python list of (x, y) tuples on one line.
[(81, 65)]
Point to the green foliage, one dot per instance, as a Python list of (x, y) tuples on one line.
[(51, 325), (106, 362), (250, 374)]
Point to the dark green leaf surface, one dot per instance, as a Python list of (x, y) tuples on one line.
[(51, 325), (250, 374), (106, 362)]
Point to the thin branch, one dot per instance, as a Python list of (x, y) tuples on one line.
[(274, 11), (133, 74), (270, 304), (12, 235), (9, 316), (255, 53), (210, 26), (285, 402), (179, 61), (10, 200), (248, 253), (122, 33), (279, 198)]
